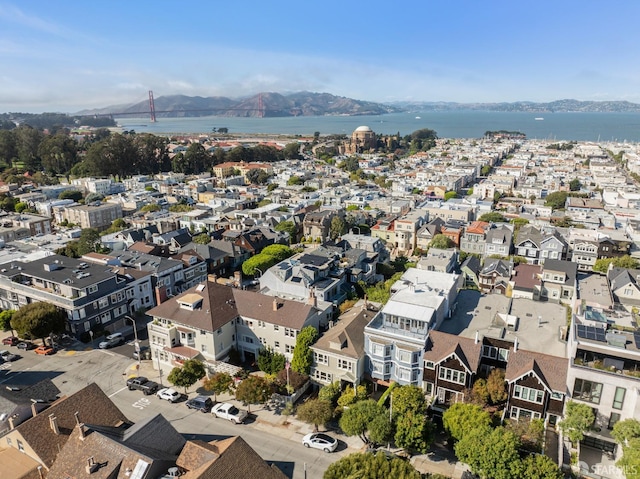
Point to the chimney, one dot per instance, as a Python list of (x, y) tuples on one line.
[(515, 345), (11, 423), (34, 410), (275, 304), (477, 339), (91, 466), (313, 301), (53, 422)]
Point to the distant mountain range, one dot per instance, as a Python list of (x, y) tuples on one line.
[(260, 105), (526, 106), (321, 104)]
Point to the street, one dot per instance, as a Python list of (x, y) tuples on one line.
[(71, 370)]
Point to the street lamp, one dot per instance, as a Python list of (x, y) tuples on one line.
[(135, 336)]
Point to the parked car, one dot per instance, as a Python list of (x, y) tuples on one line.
[(44, 350), (169, 394), (319, 440), (201, 403), (112, 340), (142, 384), (225, 410), (10, 341), (7, 356), (25, 345)]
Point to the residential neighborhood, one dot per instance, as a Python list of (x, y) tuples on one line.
[(499, 272)]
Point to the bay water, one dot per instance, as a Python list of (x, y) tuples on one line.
[(603, 127)]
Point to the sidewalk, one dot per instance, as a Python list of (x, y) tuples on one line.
[(260, 418)]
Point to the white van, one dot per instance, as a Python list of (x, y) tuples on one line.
[(112, 340)]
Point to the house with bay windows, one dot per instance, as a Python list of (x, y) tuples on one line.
[(395, 339)]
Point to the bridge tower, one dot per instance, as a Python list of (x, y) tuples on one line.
[(152, 108), (260, 106)]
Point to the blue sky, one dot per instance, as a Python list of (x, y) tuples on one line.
[(70, 55)]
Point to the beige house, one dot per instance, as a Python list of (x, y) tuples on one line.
[(339, 353), (90, 216)]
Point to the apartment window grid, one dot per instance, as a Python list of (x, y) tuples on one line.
[(451, 375), (618, 399), (288, 348), (321, 358), (344, 364)]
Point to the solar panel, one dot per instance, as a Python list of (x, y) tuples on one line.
[(591, 333), (636, 339)]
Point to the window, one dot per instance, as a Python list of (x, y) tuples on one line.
[(503, 354), (276, 344), (203, 347), (528, 394), (290, 332), (321, 358), (451, 375), (249, 340), (261, 324), (615, 417), (404, 373), (429, 365), (489, 352), (378, 349), (9, 441), (218, 331), (263, 341), (428, 387), (588, 391), (288, 348), (557, 396), (344, 364), (248, 323), (519, 413), (618, 399), (404, 356), (322, 376), (20, 446), (276, 327), (92, 289), (103, 302)]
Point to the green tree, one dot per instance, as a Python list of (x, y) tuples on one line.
[(480, 392), (351, 396), (5, 319), (337, 227), (496, 386), (278, 251), (556, 200), (414, 432), (367, 420), (575, 185), (58, 153), (626, 261), (330, 392), (315, 411), (253, 390), (490, 452), (219, 383), (261, 262), (291, 151), (441, 241), (360, 465), (406, 399), (460, 418), (539, 466), (630, 460), (578, 418), (450, 195), (20, 207), (485, 170), (191, 372), (294, 180), (89, 241), (492, 217), (38, 320), (302, 354), (74, 195), (288, 227), (203, 238), (150, 208), (623, 431), (271, 362)]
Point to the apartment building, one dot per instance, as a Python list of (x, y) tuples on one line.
[(98, 216)]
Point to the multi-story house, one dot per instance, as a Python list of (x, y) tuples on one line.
[(498, 241), (473, 238), (385, 230), (406, 228), (559, 281), (425, 235), (624, 286), (585, 253), (395, 338), (603, 373), (35, 224), (553, 246), (316, 224), (495, 275), (98, 216), (338, 355), (442, 260), (91, 295), (528, 243)]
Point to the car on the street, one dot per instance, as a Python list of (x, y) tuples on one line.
[(112, 340), (228, 411), (25, 345), (169, 394), (10, 341), (7, 356), (320, 440), (44, 350), (142, 384), (201, 403)]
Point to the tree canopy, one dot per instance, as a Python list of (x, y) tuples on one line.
[(302, 354), (578, 418), (219, 383), (441, 241), (191, 371), (367, 420), (556, 200), (38, 320), (315, 411), (371, 466), (253, 390), (461, 418), (492, 217), (490, 452), (602, 265)]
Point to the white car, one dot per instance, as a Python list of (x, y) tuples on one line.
[(319, 440), (112, 340), (224, 410), (169, 394)]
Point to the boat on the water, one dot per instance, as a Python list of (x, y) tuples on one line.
[(539, 118)]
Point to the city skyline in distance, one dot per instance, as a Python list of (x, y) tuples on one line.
[(67, 57)]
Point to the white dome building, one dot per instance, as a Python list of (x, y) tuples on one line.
[(362, 139)]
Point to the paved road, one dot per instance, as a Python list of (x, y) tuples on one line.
[(73, 369)]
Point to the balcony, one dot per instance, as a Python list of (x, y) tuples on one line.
[(632, 372)]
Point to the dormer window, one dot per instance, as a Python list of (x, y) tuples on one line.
[(190, 302)]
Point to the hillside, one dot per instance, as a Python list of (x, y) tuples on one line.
[(273, 105), (526, 106)]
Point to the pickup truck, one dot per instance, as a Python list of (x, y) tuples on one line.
[(143, 384)]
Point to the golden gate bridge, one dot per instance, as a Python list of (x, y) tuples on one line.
[(152, 110)]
